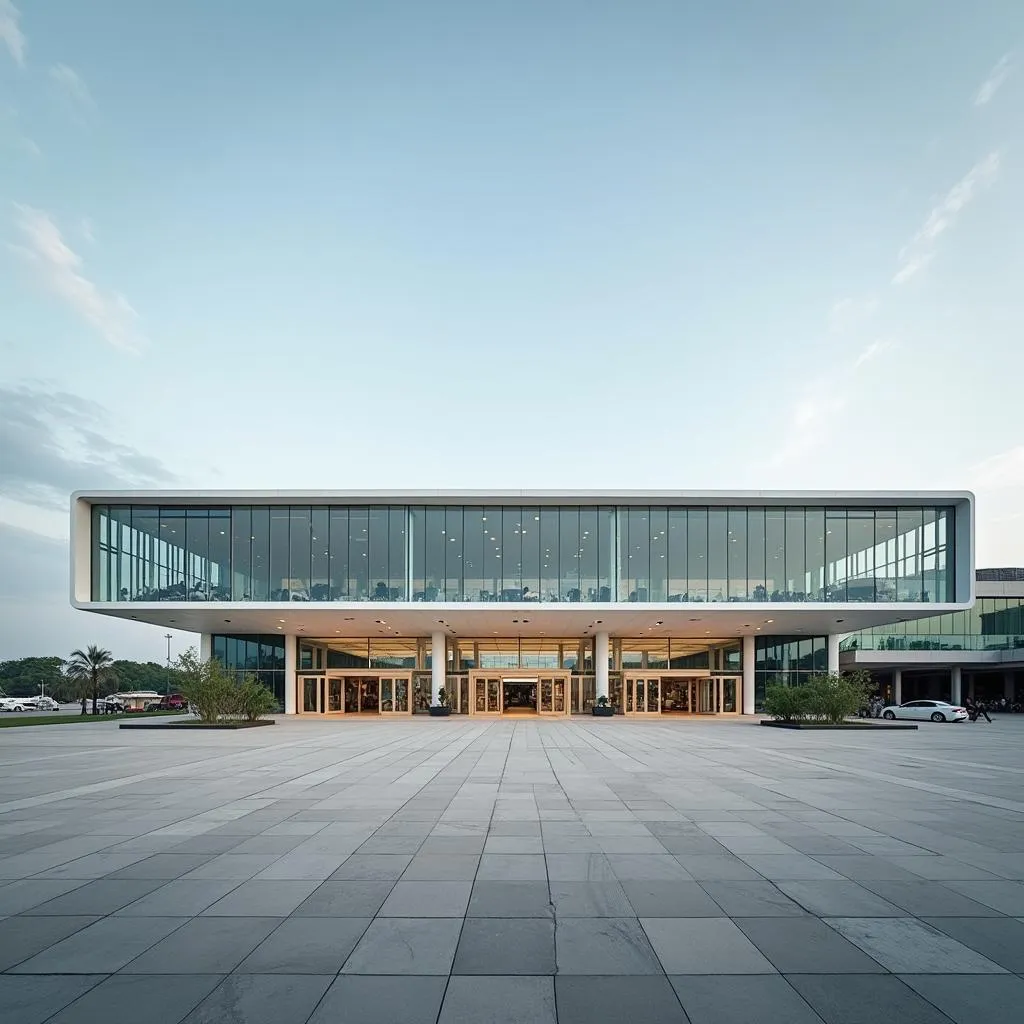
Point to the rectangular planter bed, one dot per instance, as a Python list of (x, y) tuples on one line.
[(854, 726), (193, 726), (608, 712), (437, 712)]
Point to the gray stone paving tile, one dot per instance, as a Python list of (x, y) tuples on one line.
[(513, 844), (431, 899), (839, 899), (239, 866), (705, 945), (390, 844), (510, 899), (22, 937), (860, 999), (512, 867), (306, 945), (406, 946), (639, 1000), (129, 998), (579, 867), (789, 867), (300, 865), (356, 999), (1005, 896), (432, 867), (647, 866), (345, 899), (261, 999), (590, 899), (741, 1000), (752, 899), (866, 867), (506, 945), (904, 945), (180, 898), (204, 945), (163, 866), (210, 844), (1001, 939), (804, 945), (100, 897), (372, 868), (25, 999), (258, 898), (603, 945), (993, 1000), (670, 899), (503, 1000), (19, 896), (722, 867), (101, 948), (922, 898)]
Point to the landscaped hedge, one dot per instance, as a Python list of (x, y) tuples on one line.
[(823, 698)]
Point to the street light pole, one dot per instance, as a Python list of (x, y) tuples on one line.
[(167, 686)]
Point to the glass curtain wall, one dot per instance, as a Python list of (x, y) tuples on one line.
[(790, 660), (522, 553), (994, 623), (257, 654)]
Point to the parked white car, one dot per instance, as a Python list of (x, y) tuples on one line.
[(46, 704), (926, 710), (17, 704)]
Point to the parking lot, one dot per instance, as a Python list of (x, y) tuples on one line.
[(454, 870)]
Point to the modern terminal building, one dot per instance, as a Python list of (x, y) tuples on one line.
[(523, 602), (975, 654)]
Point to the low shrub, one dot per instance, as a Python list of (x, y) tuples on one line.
[(214, 693), (786, 703), (828, 698)]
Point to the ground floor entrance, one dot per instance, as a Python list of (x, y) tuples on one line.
[(518, 693), (358, 693), (681, 693)]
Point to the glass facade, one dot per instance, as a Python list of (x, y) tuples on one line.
[(791, 660), (994, 623), (257, 654), (550, 554)]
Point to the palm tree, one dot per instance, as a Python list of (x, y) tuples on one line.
[(91, 668)]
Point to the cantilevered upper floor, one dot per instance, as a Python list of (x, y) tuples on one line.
[(836, 560)]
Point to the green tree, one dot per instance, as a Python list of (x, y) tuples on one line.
[(93, 670), (206, 685), (23, 676)]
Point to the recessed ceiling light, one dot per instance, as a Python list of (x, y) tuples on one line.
[(280, 620)]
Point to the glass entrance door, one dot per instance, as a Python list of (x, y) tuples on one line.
[(394, 695), (486, 695), (552, 695), (643, 695)]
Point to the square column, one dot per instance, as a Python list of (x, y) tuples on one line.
[(897, 686), (438, 664), (954, 684), (748, 675), (833, 653), (205, 646), (291, 663), (601, 664)]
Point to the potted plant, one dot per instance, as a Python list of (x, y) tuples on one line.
[(441, 708), (602, 709)]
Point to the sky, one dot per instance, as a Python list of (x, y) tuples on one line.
[(543, 243)]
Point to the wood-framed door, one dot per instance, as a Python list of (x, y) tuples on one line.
[(487, 692), (394, 694), (355, 693), (642, 693), (484, 693), (553, 693)]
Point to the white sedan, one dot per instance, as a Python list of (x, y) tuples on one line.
[(934, 710)]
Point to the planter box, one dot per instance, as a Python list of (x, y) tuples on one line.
[(194, 726), (858, 726), (436, 712), (608, 712)]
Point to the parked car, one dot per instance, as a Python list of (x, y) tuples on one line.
[(172, 702), (17, 704), (925, 710), (46, 704), (109, 705)]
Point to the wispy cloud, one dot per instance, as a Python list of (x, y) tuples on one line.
[(918, 252), (13, 137), (995, 79), (72, 85), (87, 229), (61, 270), (10, 31), (848, 314)]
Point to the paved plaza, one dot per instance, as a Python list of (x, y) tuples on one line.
[(464, 872)]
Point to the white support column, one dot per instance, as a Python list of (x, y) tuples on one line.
[(205, 646), (291, 663), (748, 675), (897, 686), (438, 664), (601, 664), (954, 684), (833, 653)]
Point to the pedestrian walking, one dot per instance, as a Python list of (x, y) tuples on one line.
[(974, 710)]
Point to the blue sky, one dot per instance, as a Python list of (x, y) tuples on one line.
[(559, 244)]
